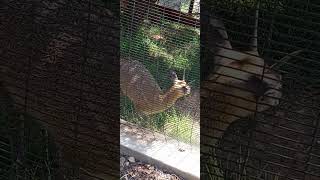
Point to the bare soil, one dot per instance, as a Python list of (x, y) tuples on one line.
[(137, 170)]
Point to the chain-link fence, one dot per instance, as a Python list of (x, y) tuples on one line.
[(260, 96), (159, 40), (59, 94)]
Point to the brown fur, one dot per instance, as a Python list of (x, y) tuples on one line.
[(232, 100), (229, 93), (137, 83)]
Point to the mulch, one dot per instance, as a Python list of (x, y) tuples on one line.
[(138, 170)]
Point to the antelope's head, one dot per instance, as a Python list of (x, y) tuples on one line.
[(180, 87)]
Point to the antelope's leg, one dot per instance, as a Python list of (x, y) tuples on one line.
[(147, 118)]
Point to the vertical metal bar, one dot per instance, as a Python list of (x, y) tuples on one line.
[(191, 6), (23, 131), (79, 107)]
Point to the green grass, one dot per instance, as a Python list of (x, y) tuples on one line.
[(185, 6), (180, 126), (178, 50), (171, 122)]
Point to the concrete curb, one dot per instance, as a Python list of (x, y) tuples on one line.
[(166, 153)]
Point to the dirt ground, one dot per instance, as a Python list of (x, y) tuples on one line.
[(132, 169)]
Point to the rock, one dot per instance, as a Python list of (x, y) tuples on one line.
[(126, 163), (122, 160), (131, 159)]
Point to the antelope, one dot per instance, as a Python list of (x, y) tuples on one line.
[(137, 83), (240, 84)]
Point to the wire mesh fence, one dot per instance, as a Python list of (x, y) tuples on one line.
[(259, 89), (160, 51), (59, 95), (259, 98)]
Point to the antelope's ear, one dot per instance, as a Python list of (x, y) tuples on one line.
[(173, 75)]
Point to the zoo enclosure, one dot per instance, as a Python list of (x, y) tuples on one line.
[(164, 39)]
